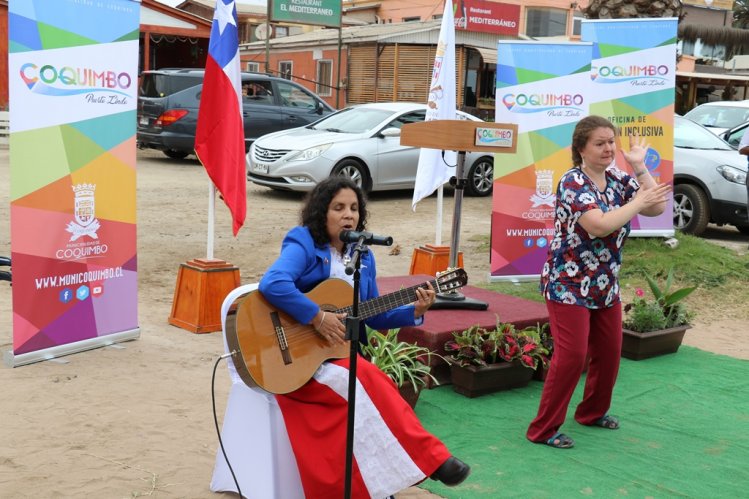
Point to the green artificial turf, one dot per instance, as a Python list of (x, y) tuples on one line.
[(684, 433)]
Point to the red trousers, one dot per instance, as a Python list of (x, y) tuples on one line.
[(578, 331)]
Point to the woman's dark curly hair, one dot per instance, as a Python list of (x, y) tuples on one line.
[(582, 133), (315, 210)]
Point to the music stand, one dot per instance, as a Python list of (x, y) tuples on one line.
[(461, 136)]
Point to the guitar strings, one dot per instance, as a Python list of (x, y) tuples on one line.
[(296, 333)]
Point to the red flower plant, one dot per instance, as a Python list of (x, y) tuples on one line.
[(480, 346)]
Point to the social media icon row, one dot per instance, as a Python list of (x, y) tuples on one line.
[(81, 293), (529, 242)]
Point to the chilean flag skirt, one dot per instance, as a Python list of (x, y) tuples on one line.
[(392, 450)]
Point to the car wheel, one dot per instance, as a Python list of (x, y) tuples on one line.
[(480, 179), (691, 209), (174, 154), (355, 171)]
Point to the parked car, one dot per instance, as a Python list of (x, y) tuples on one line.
[(719, 116), (169, 99), (362, 142), (709, 180)]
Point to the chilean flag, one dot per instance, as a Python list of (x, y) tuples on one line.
[(219, 139)]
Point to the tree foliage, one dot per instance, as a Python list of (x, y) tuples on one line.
[(626, 9)]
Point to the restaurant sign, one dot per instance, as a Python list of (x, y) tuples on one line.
[(487, 17)]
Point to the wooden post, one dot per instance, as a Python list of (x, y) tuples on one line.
[(202, 285)]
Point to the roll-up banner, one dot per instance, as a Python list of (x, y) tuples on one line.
[(543, 87), (73, 90), (633, 75)]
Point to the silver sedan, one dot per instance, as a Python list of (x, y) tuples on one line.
[(362, 142)]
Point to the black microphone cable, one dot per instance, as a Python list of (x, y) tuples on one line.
[(215, 420)]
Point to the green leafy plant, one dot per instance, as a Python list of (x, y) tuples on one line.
[(479, 346), (541, 334), (665, 311), (401, 361)]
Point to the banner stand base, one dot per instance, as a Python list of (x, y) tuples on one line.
[(202, 285), (430, 259), (54, 353)]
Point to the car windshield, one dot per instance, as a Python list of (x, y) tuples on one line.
[(719, 116), (353, 120), (690, 135)]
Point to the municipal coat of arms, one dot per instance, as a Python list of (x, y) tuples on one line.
[(84, 211), (544, 194)]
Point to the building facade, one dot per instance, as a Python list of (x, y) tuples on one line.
[(386, 52)]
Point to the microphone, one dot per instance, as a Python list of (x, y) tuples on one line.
[(353, 236)]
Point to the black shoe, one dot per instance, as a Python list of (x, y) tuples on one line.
[(452, 472)]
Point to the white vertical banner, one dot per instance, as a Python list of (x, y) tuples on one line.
[(433, 169), (544, 89), (633, 77), (73, 82)]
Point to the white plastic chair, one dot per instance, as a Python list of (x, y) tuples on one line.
[(254, 436)]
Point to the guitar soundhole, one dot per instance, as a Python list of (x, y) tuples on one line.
[(281, 338)]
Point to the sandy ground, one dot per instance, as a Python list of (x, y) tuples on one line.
[(135, 419)]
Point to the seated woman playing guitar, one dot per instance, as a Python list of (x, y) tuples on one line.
[(392, 450)]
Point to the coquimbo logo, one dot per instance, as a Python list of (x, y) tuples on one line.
[(48, 79), (616, 74), (542, 102)]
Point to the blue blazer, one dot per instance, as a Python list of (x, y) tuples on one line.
[(303, 265)]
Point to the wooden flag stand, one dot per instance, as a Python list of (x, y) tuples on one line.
[(461, 136), (202, 285), (430, 259)]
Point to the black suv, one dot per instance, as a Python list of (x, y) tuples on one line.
[(169, 100)]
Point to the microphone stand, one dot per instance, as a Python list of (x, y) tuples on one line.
[(454, 299), (352, 333)]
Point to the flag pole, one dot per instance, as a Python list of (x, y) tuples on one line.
[(211, 220), (438, 228), (202, 283), (436, 166)]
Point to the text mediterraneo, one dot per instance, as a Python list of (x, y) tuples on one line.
[(557, 105), (646, 75), (98, 86)]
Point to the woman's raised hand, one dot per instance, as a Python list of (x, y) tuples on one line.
[(638, 148)]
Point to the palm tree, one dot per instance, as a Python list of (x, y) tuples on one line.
[(624, 9)]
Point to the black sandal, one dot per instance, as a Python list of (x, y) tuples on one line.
[(608, 422), (560, 441)]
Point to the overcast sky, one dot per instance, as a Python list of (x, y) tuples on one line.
[(174, 3)]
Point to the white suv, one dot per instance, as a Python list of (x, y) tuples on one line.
[(721, 115), (709, 180)]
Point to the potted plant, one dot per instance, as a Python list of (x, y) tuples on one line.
[(405, 363), (485, 361), (655, 327)]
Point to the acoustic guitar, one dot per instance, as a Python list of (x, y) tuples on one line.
[(272, 351)]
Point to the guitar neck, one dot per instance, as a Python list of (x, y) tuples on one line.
[(383, 303)]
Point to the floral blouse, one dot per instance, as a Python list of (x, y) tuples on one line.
[(582, 269)]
